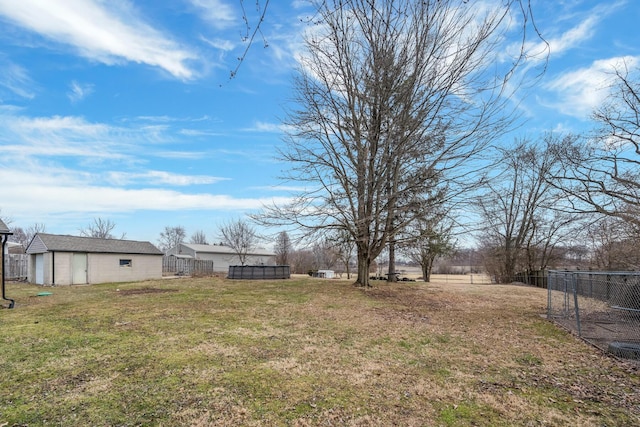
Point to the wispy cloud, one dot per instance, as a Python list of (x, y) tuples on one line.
[(580, 91), (260, 126), (56, 195), (574, 36), (218, 43), (558, 39), (216, 12), (16, 79), (198, 132), (79, 91), (57, 136), (156, 177), (105, 32)]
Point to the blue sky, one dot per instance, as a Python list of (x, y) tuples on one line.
[(124, 109)]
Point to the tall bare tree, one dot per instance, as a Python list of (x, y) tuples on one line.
[(101, 228), (602, 174), (283, 248), (302, 261), (393, 95), (240, 236), (325, 254), (198, 238), (344, 248), (521, 224), (171, 237), (614, 244)]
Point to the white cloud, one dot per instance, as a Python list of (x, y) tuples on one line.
[(217, 43), (162, 178), (216, 12), (16, 79), (181, 155), (574, 36), (61, 136), (580, 91), (26, 193), (197, 132), (107, 32), (79, 91), (260, 126)]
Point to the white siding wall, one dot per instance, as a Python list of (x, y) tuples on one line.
[(180, 250), (221, 262), (105, 268), (64, 268), (101, 268)]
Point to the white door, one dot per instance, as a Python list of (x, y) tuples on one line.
[(39, 269), (79, 269)]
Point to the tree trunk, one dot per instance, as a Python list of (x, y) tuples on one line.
[(426, 274), (427, 267), (363, 268), (391, 277)]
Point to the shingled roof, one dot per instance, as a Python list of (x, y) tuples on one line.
[(4, 229), (221, 249), (43, 242)]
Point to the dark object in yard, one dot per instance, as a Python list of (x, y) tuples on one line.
[(260, 272), (625, 350), (4, 237)]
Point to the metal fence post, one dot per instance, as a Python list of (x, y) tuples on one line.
[(575, 301), (549, 287)]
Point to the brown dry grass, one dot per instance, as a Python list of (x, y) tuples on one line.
[(303, 352)]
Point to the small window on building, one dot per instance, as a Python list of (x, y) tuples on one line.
[(125, 263)]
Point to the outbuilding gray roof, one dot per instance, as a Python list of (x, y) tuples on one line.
[(43, 242), (4, 229), (221, 249)]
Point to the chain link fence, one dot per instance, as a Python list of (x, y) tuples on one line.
[(601, 307)]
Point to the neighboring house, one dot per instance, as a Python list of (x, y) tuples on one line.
[(222, 256), (14, 248), (71, 260)]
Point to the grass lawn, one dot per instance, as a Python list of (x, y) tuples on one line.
[(301, 352)]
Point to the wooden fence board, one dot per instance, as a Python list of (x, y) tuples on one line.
[(187, 266)]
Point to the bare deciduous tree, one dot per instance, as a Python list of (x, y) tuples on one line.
[(239, 236), (521, 224), (392, 96), (283, 248), (602, 174), (345, 248), (24, 236), (302, 261), (100, 228), (198, 238), (614, 244), (325, 255), (171, 237)]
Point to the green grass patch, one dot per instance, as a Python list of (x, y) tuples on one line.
[(210, 351)]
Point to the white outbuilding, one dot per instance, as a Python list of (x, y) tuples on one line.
[(326, 274), (72, 260), (222, 256)]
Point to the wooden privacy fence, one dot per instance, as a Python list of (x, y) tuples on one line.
[(187, 266), (259, 272), (16, 266)]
